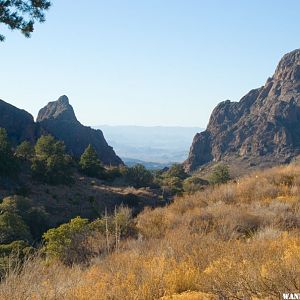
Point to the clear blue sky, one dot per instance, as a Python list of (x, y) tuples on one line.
[(147, 62)]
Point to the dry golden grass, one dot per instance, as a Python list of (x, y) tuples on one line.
[(236, 241), (190, 296)]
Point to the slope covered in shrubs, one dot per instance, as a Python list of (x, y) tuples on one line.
[(238, 240)]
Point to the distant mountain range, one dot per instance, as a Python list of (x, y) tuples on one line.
[(155, 147)]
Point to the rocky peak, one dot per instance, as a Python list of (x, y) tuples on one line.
[(58, 110), (288, 67), (263, 126), (58, 118)]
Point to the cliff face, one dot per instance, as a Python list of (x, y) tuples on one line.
[(18, 123), (58, 118), (263, 126)]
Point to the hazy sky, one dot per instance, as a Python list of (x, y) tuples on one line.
[(147, 62)]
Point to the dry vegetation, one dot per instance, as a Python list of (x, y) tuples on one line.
[(235, 241)]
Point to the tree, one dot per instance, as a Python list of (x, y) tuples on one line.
[(51, 164), (177, 170), (22, 14), (220, 174), (171, 180), (35, 217), (25, 151), (12, 228), (90, 164), (8, 164), (138, 176)]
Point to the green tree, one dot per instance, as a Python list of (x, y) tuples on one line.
[(22, 14), (220, 174), (8, 164), (25, 151), (51, 164), (67, 241), (177, 170), (35, 217), (90, 164), (172, 179), (138, 176), (12, 228)]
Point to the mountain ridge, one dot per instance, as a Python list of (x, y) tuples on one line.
[(58, 119), (262, 128)]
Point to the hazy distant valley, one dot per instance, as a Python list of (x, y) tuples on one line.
[(155, 147)]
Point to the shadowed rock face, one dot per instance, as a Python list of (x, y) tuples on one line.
[(18, 123), (58, 118), (263, 125)]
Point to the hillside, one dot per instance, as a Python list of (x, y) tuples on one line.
[(239, 240), (260, 130), (86, 197)]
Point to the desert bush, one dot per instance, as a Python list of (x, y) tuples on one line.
[(194, 184), (201, 223), (152, 223), (260, 269), (12, 255), (35, 279), (220, 174), (66, 242), (80, 240), (172, 185)]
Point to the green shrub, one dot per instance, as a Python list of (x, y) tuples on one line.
[(220, 175), (176, 170), (171, 180), (67, 242), (138, 176), (172, 185), (194, 184), (122, 219), (12, 254)]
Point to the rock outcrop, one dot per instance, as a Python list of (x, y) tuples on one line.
[(18, 123), (264, 126), (58, 118)]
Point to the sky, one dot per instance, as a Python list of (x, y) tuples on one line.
[(147, 62)]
